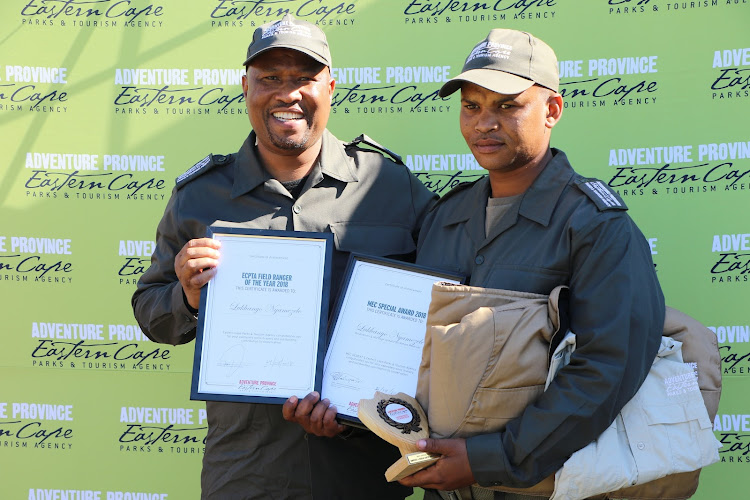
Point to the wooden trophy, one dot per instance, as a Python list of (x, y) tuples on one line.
[(401, 421)]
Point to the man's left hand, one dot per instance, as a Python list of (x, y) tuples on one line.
[(451, 472)]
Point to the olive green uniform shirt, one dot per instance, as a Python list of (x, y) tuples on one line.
[(565, 230), (371, 205)]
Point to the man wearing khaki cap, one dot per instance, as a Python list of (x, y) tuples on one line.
[(290, 174), (533, 224)]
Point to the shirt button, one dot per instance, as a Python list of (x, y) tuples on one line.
[(479, 260), (296, 209), (641, 446)]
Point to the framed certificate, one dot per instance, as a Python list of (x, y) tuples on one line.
[(261, 332), (378, 331)]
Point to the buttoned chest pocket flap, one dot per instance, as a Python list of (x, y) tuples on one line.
[(373, 239)]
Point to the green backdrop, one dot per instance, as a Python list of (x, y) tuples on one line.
[(103, 104)]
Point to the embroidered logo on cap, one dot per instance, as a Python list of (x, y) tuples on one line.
[(491, 49), (286, 28)]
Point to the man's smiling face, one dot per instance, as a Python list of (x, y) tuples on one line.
[(288, 97)]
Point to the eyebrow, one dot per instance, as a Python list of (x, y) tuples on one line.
[(312, 68), (501, 100)]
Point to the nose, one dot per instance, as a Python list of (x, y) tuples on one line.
[(486, 122), (290, 92)]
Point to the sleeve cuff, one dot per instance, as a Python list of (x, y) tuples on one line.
[(182, 309), (487, 459), (192, 310)]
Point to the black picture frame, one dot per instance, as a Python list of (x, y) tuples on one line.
[(196, 393), (354, 258)]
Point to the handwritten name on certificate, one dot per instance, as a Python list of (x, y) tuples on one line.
[(379, 332), (262, 318)]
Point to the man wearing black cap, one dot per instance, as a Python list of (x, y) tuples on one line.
[(530, 225), (290, 174)]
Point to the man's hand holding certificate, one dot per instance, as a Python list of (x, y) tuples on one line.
[(261, 323), (377, 335), (378, 332)]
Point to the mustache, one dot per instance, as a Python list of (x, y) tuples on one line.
[(490, 137), (294, 108)]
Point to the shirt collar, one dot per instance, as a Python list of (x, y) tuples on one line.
[(249, 172), (541, 198), (334, 161), (537, 203)]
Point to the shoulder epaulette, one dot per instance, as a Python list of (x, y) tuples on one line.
[(363, 139), (601, 194), (201, 168)]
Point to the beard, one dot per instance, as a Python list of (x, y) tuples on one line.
[(289, 143)]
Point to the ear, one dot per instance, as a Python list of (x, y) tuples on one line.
[(331, 83), (554, 109), (244, 85)]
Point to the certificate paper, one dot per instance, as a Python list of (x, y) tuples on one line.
[(379, 330), (261, 317)]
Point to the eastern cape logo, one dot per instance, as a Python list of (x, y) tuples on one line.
[(393, 89), (630, 7), (136, 258), (734, 348), (36, 425), (242, 13), (34, 88), (732, 264), (680, 169), (172, 91), (94, 177), (436, 12), (95, 346), (609, 82), (441, 183), (442, 172), (442, 162), (36, 259), (732, 77), (733, 432), (97, 14), (162, 430)]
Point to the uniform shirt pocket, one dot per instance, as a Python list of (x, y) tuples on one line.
[(373, 239)]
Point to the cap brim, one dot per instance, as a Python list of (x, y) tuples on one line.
[(491, 79), (322, 60)]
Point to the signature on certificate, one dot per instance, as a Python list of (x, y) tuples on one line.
[(278, 362), (267, 310), (232, 359), (345, 377), (247, 308)]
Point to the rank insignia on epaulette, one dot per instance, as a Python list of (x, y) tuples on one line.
[(601, 194), (192, 170)]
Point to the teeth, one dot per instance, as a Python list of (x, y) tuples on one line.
[(288, 115)]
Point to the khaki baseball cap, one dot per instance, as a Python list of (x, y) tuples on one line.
[(507, 62), (290, 33)]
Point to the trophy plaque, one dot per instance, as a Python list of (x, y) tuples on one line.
[(401, 421)]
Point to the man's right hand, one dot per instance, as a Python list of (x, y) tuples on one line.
[(315, 416), (195, 265)]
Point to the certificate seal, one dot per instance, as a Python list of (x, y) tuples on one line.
[(399, 414)]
